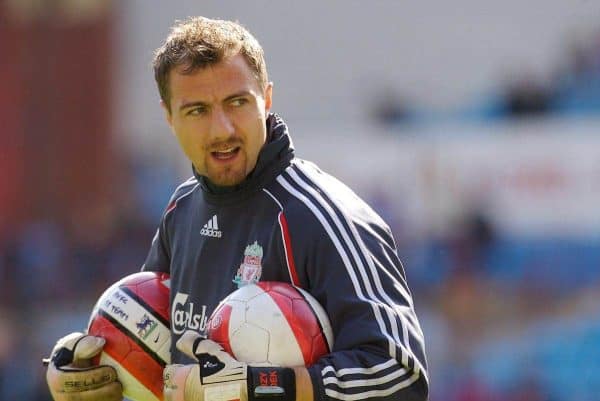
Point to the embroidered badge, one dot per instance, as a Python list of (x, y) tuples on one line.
[(250, 270)]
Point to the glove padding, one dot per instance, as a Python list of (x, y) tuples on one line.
[(71, 376), (219, 377), (216, 377)]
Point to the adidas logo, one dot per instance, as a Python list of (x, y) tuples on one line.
[(211, 228)]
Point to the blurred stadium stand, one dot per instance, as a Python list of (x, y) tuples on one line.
[(474, 131)]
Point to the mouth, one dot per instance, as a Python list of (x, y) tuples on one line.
[(225, 153)]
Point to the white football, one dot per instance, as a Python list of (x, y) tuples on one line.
[(272, 324)]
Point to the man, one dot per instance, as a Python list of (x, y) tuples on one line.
[(248, 189)]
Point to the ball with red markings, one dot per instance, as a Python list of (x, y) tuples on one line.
[(272, 323), (133, 317)]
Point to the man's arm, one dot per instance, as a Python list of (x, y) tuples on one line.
[(345, 256)]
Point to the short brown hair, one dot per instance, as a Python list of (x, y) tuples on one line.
[(198, 42)]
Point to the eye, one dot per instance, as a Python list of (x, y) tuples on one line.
[(196, 111), (239, 101)]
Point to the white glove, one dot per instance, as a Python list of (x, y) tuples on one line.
[(71, 376), (219, 377)]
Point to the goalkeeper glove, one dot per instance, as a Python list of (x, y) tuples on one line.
[(219, 377), (71, 376)]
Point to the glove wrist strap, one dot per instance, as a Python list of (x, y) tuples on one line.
[(271, 384)]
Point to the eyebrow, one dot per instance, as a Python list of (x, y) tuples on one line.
[(196, 103)]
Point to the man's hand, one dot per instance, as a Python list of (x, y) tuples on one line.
[(219, 377), (71, 376), (216, 376)]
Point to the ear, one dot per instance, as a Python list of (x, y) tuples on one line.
[(167, 112), (268, 95)]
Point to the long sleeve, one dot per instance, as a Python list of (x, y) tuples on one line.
[(345, 256)]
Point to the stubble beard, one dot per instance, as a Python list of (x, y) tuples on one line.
[(227, 176)]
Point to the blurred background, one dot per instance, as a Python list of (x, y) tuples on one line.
[(472, 127)]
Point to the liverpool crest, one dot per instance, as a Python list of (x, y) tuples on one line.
[(250, 270)]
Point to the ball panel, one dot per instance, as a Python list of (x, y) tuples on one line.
[(238, 314), (138, 278), (326, 332), (250, 343), (155, 294), (137, 360), (299, 317), (134, 390), (245, 293), (218, 326), (274, 312), (144, 368), (116, 339), (140, 322), (284, 289)]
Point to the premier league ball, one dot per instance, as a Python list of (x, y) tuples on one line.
[(271, 324), (133, 317)]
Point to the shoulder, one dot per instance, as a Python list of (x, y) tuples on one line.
[(185, 186), (312, 195), (181, 192)]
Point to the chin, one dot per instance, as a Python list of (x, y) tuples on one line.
[(227, 180), (227, 183)]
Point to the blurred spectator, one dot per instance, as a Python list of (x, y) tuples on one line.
[(389, 107), (527, 97), (471, 242)]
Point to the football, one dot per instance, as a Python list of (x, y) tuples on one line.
[(133, 317), (271, 324)]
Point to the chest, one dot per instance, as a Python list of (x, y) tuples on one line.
[(214, 251)]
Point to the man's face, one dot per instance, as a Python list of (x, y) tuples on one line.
[(218, 114)]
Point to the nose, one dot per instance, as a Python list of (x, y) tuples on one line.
[(222, 126)]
